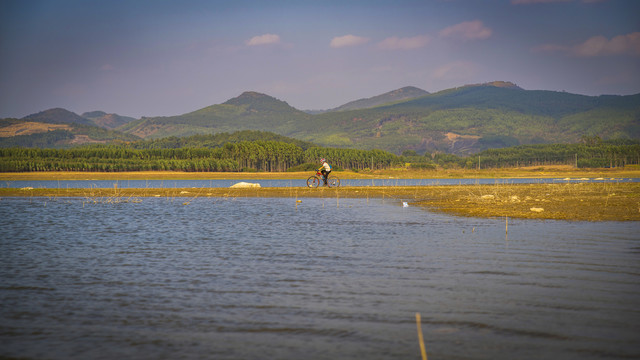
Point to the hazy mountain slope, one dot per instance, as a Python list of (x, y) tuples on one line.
[(249, 111), (472, 118), (58, 116), (460, 120), (404, 93), (107, 121), (55, 128)]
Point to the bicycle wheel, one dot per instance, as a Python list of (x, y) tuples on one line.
[(313, 181), (334, 182)]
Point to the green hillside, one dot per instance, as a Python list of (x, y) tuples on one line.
[(107, 121), (58, 116), (474, 118), (460, 120), (249, 111), (56, 128), (405, 93)]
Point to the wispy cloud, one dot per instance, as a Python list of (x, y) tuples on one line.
[(628, 44), (265, 39), (526, 2), (458, 70), (347, 40), (468, 30), (407, 43)]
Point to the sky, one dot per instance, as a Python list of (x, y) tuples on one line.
[(162, 58)]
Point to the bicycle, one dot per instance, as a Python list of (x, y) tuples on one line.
[(315, 180)]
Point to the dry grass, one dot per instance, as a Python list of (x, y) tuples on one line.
[(567, 201), (570, 201), (30, 127)]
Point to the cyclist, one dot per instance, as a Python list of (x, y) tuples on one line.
[(326, 170)]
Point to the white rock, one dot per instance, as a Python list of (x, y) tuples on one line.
[(245, 185), (536, 209)]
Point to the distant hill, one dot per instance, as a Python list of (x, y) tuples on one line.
[(476, 117), (405, 93), (461, 120), (56, 128), (249, 111), (107, 121), (58, 116)]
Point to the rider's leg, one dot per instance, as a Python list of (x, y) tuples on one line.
[(325, 174)]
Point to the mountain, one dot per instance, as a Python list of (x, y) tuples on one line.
[(107, 121), (460, 120), (58, 116), (476, 117), (56, 128), (405, 93), (249, 111)]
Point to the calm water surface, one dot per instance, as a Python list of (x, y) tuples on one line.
[(259, 278)]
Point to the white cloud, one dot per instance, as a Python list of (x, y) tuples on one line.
[(347, 40), (468, 30), (601, 46), (408, 43), (628, 44), (264, 39), (458, 70)]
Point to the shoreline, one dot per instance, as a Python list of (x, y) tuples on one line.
[(608, 201), (526, 172)]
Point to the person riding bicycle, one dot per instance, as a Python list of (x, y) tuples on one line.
[(326, 170)]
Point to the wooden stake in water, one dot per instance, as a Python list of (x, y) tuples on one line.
[(423, 351), (506, 225)]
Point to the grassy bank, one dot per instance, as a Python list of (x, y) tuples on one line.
[(566, 201)]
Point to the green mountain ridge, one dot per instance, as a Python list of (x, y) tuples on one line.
[(405, 93), (107, 121), (461, 120), (94, 127)]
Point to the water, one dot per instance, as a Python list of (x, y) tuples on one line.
[(142, 184), (320, 279)]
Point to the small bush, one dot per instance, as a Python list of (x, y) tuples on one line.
[(422, 166), (303, 167)]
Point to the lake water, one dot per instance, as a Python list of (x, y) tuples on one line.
[(137, 184), (266, 278)]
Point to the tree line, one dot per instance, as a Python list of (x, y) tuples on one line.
[(599, 154), (271, 156), (278, 156)]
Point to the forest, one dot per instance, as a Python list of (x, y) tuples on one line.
[(204, 153)]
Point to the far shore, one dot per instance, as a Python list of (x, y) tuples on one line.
[(561, 171)]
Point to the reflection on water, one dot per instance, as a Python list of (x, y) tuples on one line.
[(320, 279)]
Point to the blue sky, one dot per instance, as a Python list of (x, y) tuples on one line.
[(160, 58)]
